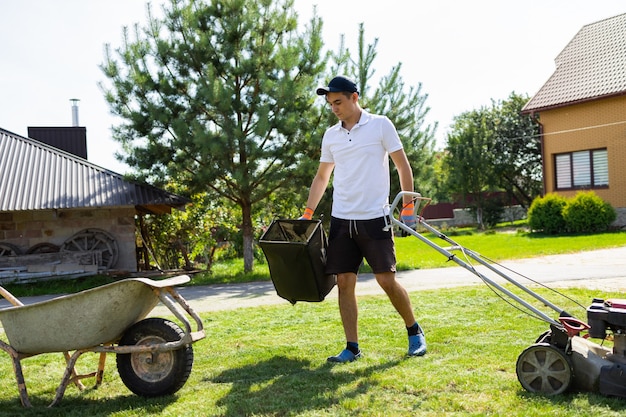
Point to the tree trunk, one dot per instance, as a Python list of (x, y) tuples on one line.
[(248, 237), (479, 216), (183, 251)]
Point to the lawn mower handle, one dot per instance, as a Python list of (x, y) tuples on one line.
[(400, 196), (391, 221)]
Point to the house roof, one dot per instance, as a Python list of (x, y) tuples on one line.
[(591, 66), (36, 176)]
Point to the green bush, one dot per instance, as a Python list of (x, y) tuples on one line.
[(493, 212), (546, 214), (586, 213)]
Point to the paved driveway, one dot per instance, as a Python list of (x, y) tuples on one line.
[(603, 270)]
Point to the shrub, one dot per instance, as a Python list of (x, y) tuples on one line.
[(546, 214), (493, 212), (587, 212)]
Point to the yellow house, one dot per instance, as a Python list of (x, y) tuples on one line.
[(582, 113)]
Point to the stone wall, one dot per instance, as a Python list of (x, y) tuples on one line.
[(464, 217), (620, 221), (25, 229)]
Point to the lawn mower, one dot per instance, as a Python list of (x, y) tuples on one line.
[(562, 358)]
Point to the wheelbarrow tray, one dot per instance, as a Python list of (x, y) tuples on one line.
[(83, 320)]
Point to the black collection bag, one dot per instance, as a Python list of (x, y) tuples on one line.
[(296, 254)]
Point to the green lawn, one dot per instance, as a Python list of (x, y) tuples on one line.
[(270, 361), (415, 254)]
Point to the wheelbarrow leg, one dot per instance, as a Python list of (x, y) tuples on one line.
[(74, 376), (70, 374), (67, 377), (100, 374), (21, 384), (19, 375)]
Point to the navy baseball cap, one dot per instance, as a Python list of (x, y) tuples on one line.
[(338, 85)]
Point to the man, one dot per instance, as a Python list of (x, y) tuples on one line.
[(357, 149)]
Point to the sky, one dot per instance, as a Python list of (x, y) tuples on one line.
[(464, 53)]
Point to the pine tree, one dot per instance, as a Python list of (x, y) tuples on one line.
[(404, 106), (216, 95)]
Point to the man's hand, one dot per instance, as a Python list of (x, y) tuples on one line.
[(308, 214), (407, 215)]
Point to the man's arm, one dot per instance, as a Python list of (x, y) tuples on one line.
[(318, 186), (404, 172), (407, 213)]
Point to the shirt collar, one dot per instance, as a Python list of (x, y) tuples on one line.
[(365, 117)]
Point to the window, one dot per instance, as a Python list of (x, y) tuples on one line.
[(582, 169)]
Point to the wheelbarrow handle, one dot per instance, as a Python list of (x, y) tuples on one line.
[(10, 297)]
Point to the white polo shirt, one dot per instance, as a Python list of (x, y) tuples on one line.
[(361, 158)]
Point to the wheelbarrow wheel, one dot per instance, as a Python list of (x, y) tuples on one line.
[(544, 369), (153, 374)]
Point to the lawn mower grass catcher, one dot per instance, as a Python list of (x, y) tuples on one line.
[(562, 358), (296, 254)]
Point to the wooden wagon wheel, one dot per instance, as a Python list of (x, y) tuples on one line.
[(94, 240), (8, 249), (44, 247)]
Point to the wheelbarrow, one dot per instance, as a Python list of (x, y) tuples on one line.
[(154, 355), (562, 358)]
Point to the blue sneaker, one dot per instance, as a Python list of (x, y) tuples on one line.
[(344, 357), (417, 345)]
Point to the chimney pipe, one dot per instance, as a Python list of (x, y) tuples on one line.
[(74, 111)]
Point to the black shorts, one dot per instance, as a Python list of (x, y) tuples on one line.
[(349, 241)]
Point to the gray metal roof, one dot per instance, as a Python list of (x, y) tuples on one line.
[(591, 66), (36, 176)]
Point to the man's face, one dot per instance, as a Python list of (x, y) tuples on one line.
[(343, 107)]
